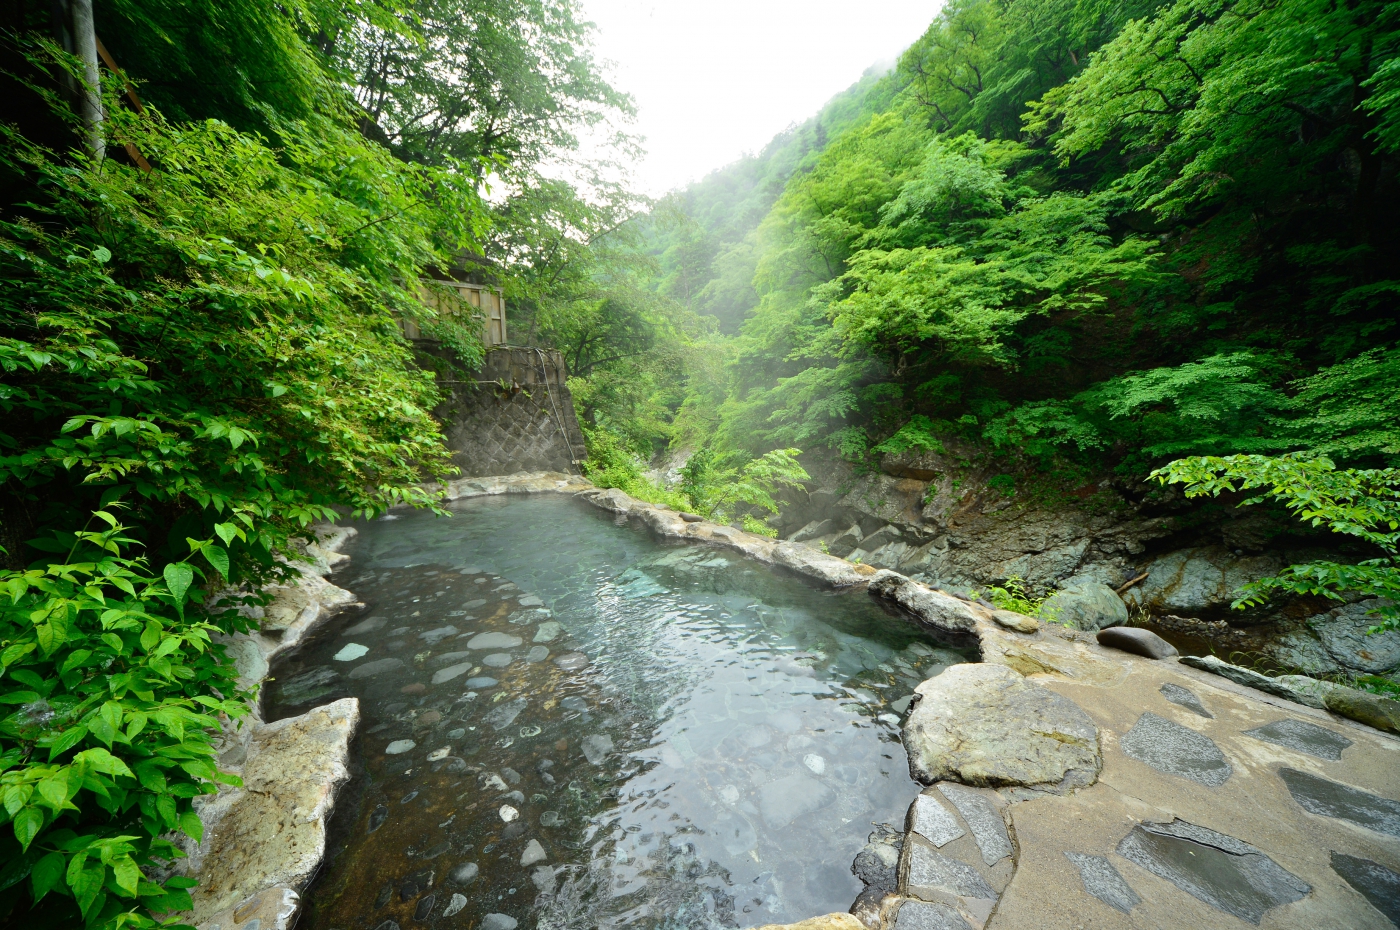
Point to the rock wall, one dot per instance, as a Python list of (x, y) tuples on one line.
[(517, 416), (1112, 551)]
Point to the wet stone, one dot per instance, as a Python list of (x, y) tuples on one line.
[(513, 831), (399, 746), (504, 714), (574, 703), (464, 874), (531, 600), (425, 907), (543, 879), (433, 637), (458, 902), (498, 659), (1220, 870), (571, 661), (498, 922), (931, 873), (416, 688), (1184, 698), (783, 801), (1373, 881), (377, 818), (481, 683), (550, 819), (877, 865), (534, 854), (377, 667), (365, 626), (383, 897), (1303, 737), (1104, 882), (596, 748), (919, 915), (388, 925), (350, 652), (1174, 749), (451, 672), (449, 658), (931, 820), (548, 631), (988, 829), (494, 641), (537, 654), (1330, 799)]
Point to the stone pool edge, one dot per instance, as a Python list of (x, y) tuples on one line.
[(263, 842)]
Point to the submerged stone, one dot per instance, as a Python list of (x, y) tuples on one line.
[(494, 641), (504, 714), (1374, 881), (596, 748), (433, 637), (1104, 882), (534, 854), (783, 801), (481, 683), (350, 652), (571, 661), (458, 902), (399, 746), (377, 667), (548, 632), (465, 873), (1303, 737), (1169, 747), (377, 818), (1184, 698), (1220, 870), (365, 626), (498, 659), (537, 654), (425, 907), (1317, 795), (451, 672), (498, 922)]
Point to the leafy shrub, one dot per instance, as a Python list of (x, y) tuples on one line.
[(723, 486), (112, 686), (1360, 503), (1013, 596)]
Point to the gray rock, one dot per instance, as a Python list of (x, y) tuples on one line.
[(810, 531), (399, 746), (425, 907), (1343, 633), (931, 820), (1104, 882), (498, 922), (931, 874), (498, 660), (534, 854), (986, 725), (451, 672), (433, 637), (1014, 621), (454, 906), (504, 714), (1169, 747), (377, 818), (377, 667), (783, 801), (571, 661), (543, 879), (737, 835), (481, 682), (449, 658), (548, 631), (1192, 582), (1137, 641), (494, 641), (465, 873), (988, 829), (877, 865), (596, 748), (920, 915), (1088, 605), (531, 600), (1317, 795), (941, 611), (1184, 698), (537, 654), (365, 626), (1212, 867), (1374, 881), (1304, 737), (1279, 687)]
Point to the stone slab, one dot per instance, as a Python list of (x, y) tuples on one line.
[(988, 829), (929, 874), (1304, 737), (1327, 798), (929, 818), (1178, 750), (1104, 882), (1183, 697), (1375, 882)]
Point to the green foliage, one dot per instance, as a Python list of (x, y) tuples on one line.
[(1013, 596), (1363, 504), (112, 686), (612, 463), (724, 486)]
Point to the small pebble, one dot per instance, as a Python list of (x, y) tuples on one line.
[(508, 813), (398, 746)]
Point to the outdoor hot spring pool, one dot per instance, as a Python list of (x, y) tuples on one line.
[(567, 723)]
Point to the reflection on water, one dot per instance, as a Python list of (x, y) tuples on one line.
[(568, 724)]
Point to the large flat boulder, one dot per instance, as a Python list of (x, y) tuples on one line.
[(986, 725)]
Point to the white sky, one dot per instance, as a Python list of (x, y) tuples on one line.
[(714, 79)]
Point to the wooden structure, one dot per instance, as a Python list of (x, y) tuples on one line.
[(461, 298)]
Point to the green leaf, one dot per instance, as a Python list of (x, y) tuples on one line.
[(101, 255), (218, 558), (192, 826), (27, 825), (47, 873), (227, 532), (127, 874), (178, 578)]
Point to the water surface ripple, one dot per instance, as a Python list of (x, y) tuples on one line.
[(567, 723)]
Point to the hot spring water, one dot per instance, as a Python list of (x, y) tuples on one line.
[(569, 724)]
